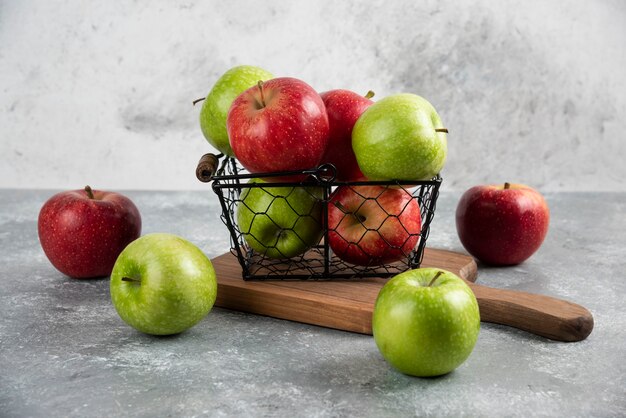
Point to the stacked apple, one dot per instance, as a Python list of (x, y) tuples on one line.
[(282, 125)]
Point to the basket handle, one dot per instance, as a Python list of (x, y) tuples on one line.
[(207, 166)]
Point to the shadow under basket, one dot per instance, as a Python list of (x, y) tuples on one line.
[(235, 188)]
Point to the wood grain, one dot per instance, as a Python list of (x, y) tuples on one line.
[(542, 315), (348, 305)]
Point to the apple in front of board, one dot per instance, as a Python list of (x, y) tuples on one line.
[(400, 137), (278, 125), (280, 222), (83, 231), (344, 108), (426, 322), (373, 225), (502, 224), (217, 103), (162, 284)]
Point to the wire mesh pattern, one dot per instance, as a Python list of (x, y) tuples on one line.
[(319, 228)]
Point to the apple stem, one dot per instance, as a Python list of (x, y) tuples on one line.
[(260, 84), (130, 279), (342, 208), (356, 215), (369, 94), (439, 273), (89, 192), (198, 100), (444, 130), (507, 185)]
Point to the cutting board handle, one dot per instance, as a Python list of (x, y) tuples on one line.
[(542, 315)]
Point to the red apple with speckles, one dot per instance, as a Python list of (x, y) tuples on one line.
[(278, 125), (83, 231), (502, 224), (373, 225), (344, 108)]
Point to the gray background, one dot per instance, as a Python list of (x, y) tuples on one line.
[(101, 92)]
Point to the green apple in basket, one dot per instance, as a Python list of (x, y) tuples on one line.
[(280, 222), (217, 103), (400, 137)]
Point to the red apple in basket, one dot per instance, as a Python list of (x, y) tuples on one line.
[(502, 224), (373, 225), (278, 125), (83, 231), (344, 108)]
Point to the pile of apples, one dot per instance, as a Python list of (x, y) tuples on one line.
[(275, 125), (425, 321)]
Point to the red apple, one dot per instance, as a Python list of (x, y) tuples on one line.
[(373, 225), (344, 108), (278, 125), (83, 231), (502, 224)]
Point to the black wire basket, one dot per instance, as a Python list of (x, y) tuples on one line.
[(314, 257)]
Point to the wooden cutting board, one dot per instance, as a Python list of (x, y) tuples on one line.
[(348, 305)]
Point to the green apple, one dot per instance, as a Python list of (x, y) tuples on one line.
[(280, 222), (400, 137), (162, 284), (426, 322), (217, 103)]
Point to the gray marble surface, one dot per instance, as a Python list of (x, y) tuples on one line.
[(64, 352)]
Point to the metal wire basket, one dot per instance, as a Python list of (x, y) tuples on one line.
[(233, 185)]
